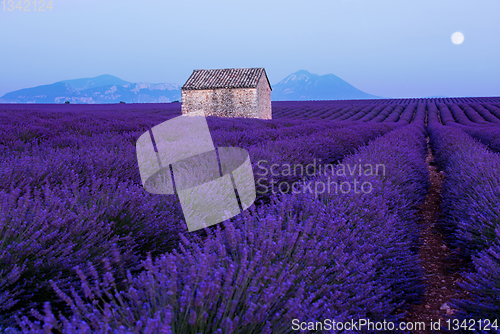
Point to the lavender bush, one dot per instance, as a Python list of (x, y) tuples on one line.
[(459, 115), (483, 285), (471, 188), (445, 114), (301, 256), (485, 113), (110, 257), (488, 135), (472, 114), (407, 114), (494, 110), (70, 184)]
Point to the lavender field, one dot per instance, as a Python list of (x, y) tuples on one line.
[(85, 249)]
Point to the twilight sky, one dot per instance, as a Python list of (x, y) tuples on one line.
[(389, 48)]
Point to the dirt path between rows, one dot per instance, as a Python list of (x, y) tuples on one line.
[(440, 266)]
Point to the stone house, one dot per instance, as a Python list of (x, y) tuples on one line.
[(230, 92)]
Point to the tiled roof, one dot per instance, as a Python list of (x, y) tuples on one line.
[(224, 78)]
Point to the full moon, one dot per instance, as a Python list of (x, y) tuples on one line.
[(457, 38)]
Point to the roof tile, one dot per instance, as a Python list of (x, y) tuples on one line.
[(224, 78)]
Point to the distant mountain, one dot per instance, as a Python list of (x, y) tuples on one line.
[(303, 85), (298, 86), (100, 81), (101, 89)]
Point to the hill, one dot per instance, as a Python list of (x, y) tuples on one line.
[(303, 85)]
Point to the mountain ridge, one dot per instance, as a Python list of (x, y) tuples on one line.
[(299, 86), (99, 81), (101, 89)]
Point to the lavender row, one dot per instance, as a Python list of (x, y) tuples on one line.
[(300, 145), (353, 111), (470, 190), (373, 113), (492, 116), (45, 233), (279, 164), (483, 286), (489, 136), (468, 115), (485, 130), (40, 149), (495, 110), (468, 110), (80, 189), (473, 110), (471, 217), (342, 257), (259, 132), (95, 146), (407, 115), (60, 128), (445, 114)]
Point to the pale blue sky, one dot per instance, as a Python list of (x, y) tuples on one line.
[(390, 48)]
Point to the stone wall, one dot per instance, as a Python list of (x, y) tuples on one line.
[(264, 110), (235, 102), (240, 102)]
